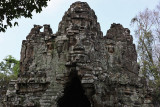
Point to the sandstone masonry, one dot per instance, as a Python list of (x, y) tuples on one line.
[(78, 66)]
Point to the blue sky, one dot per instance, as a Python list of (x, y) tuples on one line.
[(107, 11)]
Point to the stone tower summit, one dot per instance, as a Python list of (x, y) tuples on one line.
[(78, 66)]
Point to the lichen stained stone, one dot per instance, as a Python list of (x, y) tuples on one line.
[(79, 66)]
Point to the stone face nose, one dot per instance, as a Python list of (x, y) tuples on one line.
[(79, 47)]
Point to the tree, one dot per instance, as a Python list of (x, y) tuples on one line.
[(9, 67), (14, 9), (147, 31)]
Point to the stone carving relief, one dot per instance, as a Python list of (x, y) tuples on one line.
[(78, 66)]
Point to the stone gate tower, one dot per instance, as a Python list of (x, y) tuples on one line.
[(78, 66)]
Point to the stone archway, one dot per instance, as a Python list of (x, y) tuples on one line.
[(74, 94)]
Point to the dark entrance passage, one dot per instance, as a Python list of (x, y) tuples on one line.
[(74, 94)]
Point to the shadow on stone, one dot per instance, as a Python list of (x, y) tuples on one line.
[(74, 94)]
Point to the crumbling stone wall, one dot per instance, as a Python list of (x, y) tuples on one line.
[(3, 89), (78, 66)]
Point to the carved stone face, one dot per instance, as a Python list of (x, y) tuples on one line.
[(81, 49)]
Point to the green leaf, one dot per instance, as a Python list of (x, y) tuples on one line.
[(2, 29), (15, 23), (14, 9)]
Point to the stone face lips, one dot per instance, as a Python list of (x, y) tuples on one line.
[(78, 66)]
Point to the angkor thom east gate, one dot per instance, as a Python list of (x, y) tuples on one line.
[(78, 67)]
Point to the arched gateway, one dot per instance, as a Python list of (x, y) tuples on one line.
[(78, 66)]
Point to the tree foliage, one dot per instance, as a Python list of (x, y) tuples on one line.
[(14, 9), (9, 68), (147, 31)]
